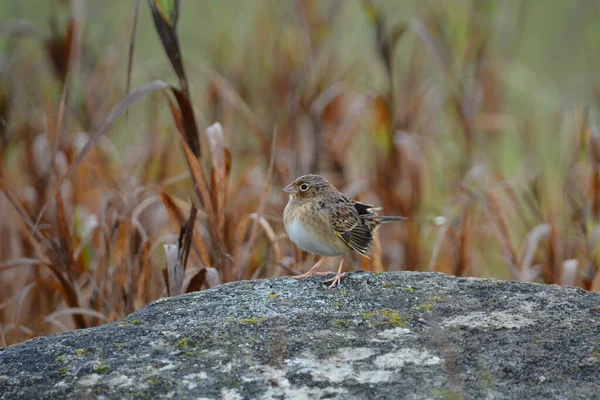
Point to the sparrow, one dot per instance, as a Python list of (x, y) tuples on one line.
[(322, 221)]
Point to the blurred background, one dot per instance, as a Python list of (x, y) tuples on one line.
[(478, 120)]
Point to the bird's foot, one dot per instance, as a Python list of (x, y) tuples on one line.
[(335, 281), (311, 273), (338, 277), (313, 270)]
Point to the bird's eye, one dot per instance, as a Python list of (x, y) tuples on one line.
[(304, 187)]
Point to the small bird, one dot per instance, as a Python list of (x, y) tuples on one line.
[(322, 221)]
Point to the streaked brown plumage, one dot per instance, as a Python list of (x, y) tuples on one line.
[(321, 220)]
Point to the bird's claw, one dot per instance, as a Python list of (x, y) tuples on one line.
[(335, 281)]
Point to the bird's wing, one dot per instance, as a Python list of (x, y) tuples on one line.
[(365, 210), (346, 221)]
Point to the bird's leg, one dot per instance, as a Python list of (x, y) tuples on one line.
[(338, 277), (313, 270)]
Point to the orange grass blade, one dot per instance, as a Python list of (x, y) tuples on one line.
[(177, 217), (185, 237)]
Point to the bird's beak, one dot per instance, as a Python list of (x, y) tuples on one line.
[(289, 189)]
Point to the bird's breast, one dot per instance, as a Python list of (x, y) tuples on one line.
[(314, 240)]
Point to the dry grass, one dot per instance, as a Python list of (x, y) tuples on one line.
[(428, 124)]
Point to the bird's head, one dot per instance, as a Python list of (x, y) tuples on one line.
[(307, 186)]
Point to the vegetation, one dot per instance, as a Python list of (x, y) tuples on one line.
[(477, 120)]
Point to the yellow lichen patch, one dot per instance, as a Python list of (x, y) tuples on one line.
[(408, 289), (388, 285), (80, 352), (367, 315), (425, 307), (60, 359), (392, 316), (100, 368), (252, 320), (183, 343), (272, 295), (340, 323), (384, 317), (134, 322), (435, 298)]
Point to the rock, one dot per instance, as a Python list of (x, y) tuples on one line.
[(380, 336)]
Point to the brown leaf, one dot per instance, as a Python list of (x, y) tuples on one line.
[(188, 120), (201, 186), (59, 48), (63, 233), (141, 296), (197, 281), (185, 237), (121, 253), (178, 218), (172, 208), (165, 274), (165, 22)]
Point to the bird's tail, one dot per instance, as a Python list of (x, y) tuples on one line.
[(375, 221), (387, 218)]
